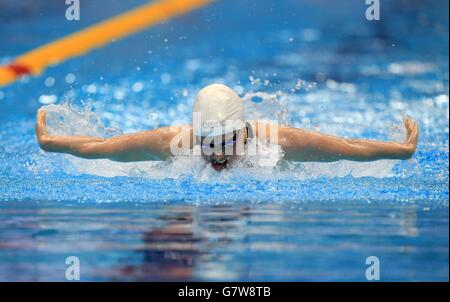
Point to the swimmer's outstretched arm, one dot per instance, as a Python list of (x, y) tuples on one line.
[(303, 145), (147, 145)]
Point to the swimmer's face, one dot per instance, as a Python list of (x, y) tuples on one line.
[(222, 151)]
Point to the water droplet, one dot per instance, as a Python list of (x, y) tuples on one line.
[(47, 99), (91, 89), (49, 82), (137, 87), (166, 78), (70, 78), (119, 94)]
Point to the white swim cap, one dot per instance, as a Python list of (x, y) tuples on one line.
[(217, 110)]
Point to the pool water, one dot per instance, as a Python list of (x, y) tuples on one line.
[(312, 64)]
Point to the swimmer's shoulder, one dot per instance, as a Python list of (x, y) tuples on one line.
[(165, 135)]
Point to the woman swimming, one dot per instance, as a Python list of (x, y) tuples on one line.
[(223, 135)]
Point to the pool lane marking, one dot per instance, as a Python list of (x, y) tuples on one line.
[(95, 36), (18, 69)]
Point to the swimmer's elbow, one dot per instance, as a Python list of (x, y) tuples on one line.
[(44, 142)]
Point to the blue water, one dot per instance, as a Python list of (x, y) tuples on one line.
[(314, 64)]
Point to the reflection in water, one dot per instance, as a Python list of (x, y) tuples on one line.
[(260, 242), (187, 239), (409, 222)]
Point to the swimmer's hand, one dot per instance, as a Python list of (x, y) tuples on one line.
[(303, 145), (41, 127), (141, 146), (412, 135)]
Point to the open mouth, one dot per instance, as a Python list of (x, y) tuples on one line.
[(219, 164)]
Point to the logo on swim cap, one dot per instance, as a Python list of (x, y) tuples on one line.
[(213, 124)]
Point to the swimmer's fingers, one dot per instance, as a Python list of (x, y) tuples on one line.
[(412, 130), (408, 125), (41, 124)]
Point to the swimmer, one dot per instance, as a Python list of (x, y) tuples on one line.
[(220, 131)]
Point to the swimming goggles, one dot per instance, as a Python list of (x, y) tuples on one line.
[(213, 144)]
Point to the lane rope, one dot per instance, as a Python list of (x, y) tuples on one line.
[(95, 36)]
